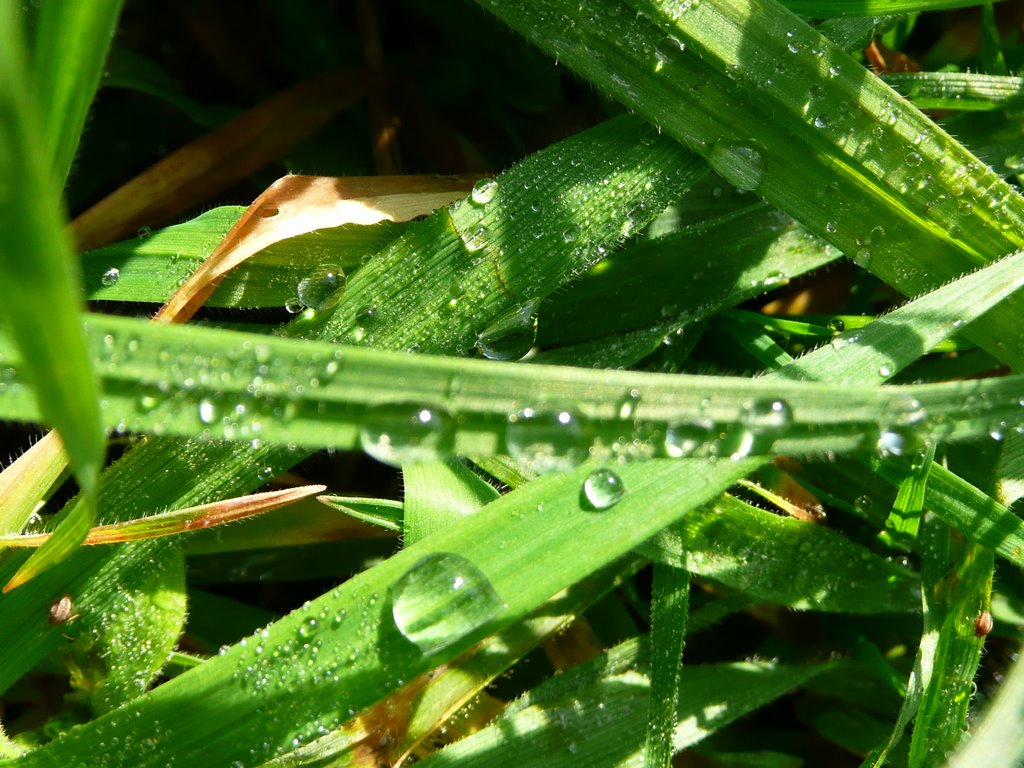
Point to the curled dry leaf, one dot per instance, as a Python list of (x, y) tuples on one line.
[(296, 205)]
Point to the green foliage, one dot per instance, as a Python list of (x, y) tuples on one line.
[(647, 408)]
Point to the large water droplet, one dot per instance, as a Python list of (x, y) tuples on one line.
[(403, 432), (320, 288), (687, 438), (484, 191), (110, 277), (207, 411), (442, 598), (602, 489), (550, 441), (739, 164), (510, 337)]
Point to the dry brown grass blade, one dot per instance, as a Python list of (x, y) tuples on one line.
[(180, 520), (219, 159), (295, 205)]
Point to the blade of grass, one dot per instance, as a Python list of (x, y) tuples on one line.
[(759, 125), (670, 605), (40, 289), (151, 268), (296, 205), (179, 520), (968, 91), (653, 174), (439, 494), (69, 53), (377, 399), (27, 481), (998, 741)]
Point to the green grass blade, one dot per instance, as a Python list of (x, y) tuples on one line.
[(852, 8), (439, 494), (670, 598), (38, 280), (956, 583), (70, 50), (998, 742), (510, 582), (377, 400), (967, 91), (161, 473), (905, 518), (151, 268), (707, 74), (545, 729), (781, 560)]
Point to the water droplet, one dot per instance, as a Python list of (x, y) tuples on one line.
[(648, 134), (628, 404), (207, 411), (402, 432), (891, 443), (602, 489), (667, 49), (476, 240), (484, 191), (293, 306), (822, 121), (913, 159), (549, 441), (110, 277), (767, 415), (739, 164), (265, 474), (836, 325), (884, 371), (321, 287), (572, 233), (442, 598), (511, 337), (686, 438), (144, 231), (831, 227)]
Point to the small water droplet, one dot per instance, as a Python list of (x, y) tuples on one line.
[(110, 277), (572, 233), (739, 164), (836, 325), (293, 306), (884, 371), (667, 49), (442, 598), (602, 489), (144, 231), (402, 432), (822, 121), (913, 159), (484, 191), (321, 287)]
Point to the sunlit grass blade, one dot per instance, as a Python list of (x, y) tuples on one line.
[(297, 205), (545, 727), (785, 133), (670, 605), (783, 561), (38, 279), (439, 494), (150, 268), (383, 512), (179, 520), (26, 482), (653, 175), (395, 638), (956, 584), (69, 53), (998, 741), (395, 406), (839, 8), (905, 518), (968, 91)]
